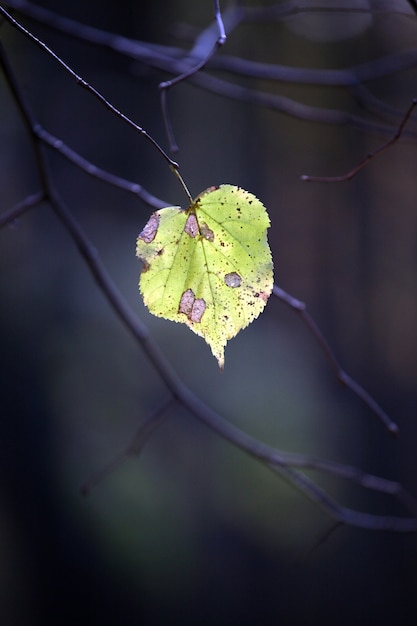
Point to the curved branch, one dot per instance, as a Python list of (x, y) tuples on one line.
[(178, 61), (349, 77), (346, 380), (286, 105), (182, 64), (355, 170)]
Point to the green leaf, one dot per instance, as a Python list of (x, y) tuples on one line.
[(208, 266)]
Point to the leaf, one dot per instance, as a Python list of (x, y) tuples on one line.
[(208, 266)]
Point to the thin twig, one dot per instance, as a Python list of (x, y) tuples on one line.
[(28, 203), (93, 170), (341, 375), (173, 146), (146, 428), (321, 540), (367, 159), (166, 85), (345, 515), (371, 103)]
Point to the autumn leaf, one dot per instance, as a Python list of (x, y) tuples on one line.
[(208, 266)]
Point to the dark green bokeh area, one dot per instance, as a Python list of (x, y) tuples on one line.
[(194, 531)]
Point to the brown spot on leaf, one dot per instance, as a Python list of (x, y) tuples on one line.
[(191, 306), (264, 296), (186, 302), (150, 229), (198, 309), (191, 225), (233, 280), (206, 232)]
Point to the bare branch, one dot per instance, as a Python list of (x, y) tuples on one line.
[(377, 107), (22, 207), (345, 515), (206, 56), (220, 24), (173, 146), (170, 59), (341, 375), (352, 173), (345, 77), (146, 428), (96, 172)]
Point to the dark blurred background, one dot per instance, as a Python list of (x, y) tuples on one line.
[(194, 532)]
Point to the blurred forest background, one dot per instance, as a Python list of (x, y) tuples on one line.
[(194, 531)]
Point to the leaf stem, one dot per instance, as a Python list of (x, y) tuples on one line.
[(175, 169)]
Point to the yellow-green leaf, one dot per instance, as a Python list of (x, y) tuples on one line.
[(208, 266)]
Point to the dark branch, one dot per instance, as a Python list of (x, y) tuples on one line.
[(145, 430), (341, 375), (96, 172), (177, 62), (30, 202), (352, 173), (206, 56)]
